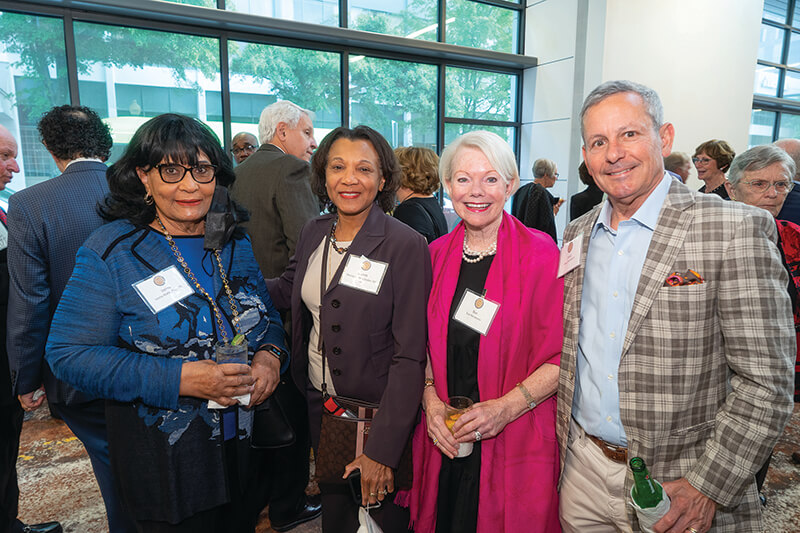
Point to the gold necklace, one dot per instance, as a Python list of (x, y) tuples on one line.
[(188, 272)]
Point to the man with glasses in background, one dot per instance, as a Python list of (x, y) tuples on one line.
[(243, 145)]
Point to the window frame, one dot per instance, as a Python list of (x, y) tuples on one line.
[(779, 104)]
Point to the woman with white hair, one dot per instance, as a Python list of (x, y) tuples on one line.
[(762, 176), (494, 335)]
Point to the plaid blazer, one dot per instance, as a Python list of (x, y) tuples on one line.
[(705, 375)]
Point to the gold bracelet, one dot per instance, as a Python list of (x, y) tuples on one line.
[(428, 383), (528, 398)]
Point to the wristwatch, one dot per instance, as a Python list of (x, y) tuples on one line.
[(281, 355), (528, 398)]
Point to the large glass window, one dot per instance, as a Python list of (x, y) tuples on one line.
[(33, 78), (397, 98), (415, 19), (776, 88), (313, 11), (146, 73), (261, 74), (482, 26), (132, 68)]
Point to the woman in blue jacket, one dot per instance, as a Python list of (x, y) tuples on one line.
[(150, 298)]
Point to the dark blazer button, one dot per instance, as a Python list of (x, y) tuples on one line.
[(336, 350), (335, 303), (336, 372), (336, 328)]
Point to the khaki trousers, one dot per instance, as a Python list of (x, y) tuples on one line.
[(592, 497)]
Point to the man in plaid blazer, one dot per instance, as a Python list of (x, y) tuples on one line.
[(678, 335)]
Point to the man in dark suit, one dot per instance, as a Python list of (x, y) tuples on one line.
[(10, 409), (273, 184), (48, 222), (791, 207)]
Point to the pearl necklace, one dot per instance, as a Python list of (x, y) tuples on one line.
[(471, 256)]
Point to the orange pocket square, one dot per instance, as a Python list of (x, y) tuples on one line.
[(690, 277)]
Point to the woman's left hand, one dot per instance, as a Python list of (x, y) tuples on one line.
[(377, 480), (267, 373), (484, 420)]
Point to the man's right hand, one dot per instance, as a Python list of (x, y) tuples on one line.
[(29, 403)]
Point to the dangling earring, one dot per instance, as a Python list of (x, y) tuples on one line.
[(148, 198)]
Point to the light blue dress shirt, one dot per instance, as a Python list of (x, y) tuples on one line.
[(614, 261)]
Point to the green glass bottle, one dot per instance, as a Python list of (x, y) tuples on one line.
[(646, 492)]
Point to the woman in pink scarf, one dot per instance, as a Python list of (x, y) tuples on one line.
[(508, 482)]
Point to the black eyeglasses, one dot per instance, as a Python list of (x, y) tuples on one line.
[(174, 173), (243, 149)]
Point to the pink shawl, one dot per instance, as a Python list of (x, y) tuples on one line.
[(519, 468)]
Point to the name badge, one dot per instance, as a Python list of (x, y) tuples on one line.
[(476, 312), (570, 256), (363, 274), (163, 289)]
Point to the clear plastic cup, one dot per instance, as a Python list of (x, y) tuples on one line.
[(457, 406)]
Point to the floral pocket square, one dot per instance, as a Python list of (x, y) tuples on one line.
[(690, 277)]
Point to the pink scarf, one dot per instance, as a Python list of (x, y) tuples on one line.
[(519, 468)]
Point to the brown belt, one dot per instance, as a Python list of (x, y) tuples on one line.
[(618, 454)]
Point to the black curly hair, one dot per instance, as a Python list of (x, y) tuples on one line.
[(71, 131), (390, 168), (168, 137)]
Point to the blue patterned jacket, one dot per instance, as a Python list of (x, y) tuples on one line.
[(105, 341)]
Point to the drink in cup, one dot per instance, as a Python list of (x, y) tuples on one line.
[(231, 352), (457, 406)]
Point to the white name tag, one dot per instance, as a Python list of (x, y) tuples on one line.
[(363, 274), (163, 289), (570, 256), (476, 312)]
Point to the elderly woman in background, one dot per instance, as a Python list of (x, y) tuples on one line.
[(359, 341), (762, 177), (505, 359), (139, 323), (417, 206), (712, 159)]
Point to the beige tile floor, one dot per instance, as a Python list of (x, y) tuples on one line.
[(56, 481)]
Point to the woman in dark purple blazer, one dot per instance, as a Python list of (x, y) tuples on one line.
[(374, 330)]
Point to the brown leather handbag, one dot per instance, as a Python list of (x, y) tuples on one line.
[(344, 433)]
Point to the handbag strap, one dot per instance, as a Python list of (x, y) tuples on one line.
[(323, 284)]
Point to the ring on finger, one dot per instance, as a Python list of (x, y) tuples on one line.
[(692, 530), (383, 492), (477, 435), (373, 493), (435, 441)]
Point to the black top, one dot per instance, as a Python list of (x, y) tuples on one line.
[(584, 201), (533, 206), (459, 479), (720, 191), (424, 215)]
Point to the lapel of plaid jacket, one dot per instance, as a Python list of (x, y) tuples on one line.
[(668, 239)]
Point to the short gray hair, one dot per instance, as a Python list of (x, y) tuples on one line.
[(274, 114), (758, 158), (675, 160), (543, 167), (496, 150), (652, 102)]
